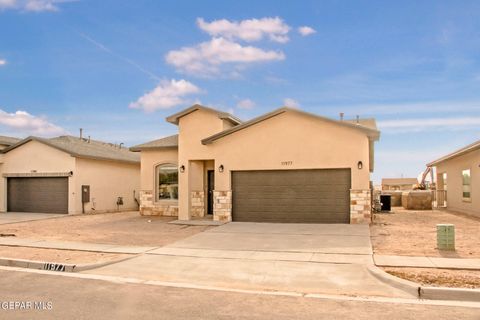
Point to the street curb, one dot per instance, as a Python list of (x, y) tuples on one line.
[(39, 265), (402, 284), (57, 267), (458, 294), (431, 293)]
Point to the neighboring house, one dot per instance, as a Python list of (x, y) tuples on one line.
[(7, 141), (398, 183), (458, 176), (68, 175), (284, 166)]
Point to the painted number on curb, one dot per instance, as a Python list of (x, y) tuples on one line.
[(54, 267)]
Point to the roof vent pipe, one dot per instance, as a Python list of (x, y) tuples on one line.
[(88, 139), (341, 116), (358, 119), (121, 144), (81, 133)]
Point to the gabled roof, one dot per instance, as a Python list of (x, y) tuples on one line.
[(167, 142), (471, 147), (398, 181), (371, 132), (8, 141), (83, 148), (222, 115)]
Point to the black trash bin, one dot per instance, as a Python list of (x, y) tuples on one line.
[(386, 202)]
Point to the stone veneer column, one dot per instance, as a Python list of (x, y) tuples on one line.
[(360, 206), (222, 206), (149, 208), (146, 202), (197, 199)]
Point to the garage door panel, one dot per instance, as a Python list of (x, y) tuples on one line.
[(43, 194), (317, 196)]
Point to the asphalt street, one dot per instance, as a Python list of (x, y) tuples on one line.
[(61, 297)]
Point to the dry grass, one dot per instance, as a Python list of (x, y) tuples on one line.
[(58, 256), (438, 277)]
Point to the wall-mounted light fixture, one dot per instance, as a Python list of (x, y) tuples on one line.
[(360, 165), (220, 168), (182, 168)]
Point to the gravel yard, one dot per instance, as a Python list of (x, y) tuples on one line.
[(413, 233), (122, 228)]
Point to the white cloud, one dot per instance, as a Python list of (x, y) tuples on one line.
[(246, 104), (288, 102), (206, 58), (31, 5), (25, 123), (247, 30), (166, 95), (418, 125), (3, 61), (7, 4), (306, 31)]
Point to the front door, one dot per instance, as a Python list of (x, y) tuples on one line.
[(210, 185)]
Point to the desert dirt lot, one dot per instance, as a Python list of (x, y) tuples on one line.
[(438, 277), (413, 233), (58, 256), (121, 228)]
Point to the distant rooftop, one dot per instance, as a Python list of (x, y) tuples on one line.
[(398, 181), (84, 148), (8, 141)]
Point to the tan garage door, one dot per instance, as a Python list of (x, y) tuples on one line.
[(294, 196), (45, 195)]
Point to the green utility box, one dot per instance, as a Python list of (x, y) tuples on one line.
[(445, 236)]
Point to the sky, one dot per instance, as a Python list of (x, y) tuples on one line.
[(118, 68)]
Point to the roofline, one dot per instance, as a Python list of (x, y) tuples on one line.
[(73, 154), (139, 149), (471, 147), (174, 118), (374, 134)]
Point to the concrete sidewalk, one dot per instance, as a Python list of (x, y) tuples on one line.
[(17, 217), (426, 262), (72, 245)]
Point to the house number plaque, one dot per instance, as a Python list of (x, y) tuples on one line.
[(287, 163)]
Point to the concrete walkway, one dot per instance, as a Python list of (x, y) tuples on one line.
[(426, 262), (15, 217), (72, 245)]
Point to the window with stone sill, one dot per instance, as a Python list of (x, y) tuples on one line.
[(166, 176)]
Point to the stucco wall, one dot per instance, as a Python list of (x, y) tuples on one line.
[(453, 168), (152, 158), (192, 129), (108, 180), (293, 141), (36, 156)]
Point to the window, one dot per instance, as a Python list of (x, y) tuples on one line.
[(444, 181), (167, 182), (466, 184)]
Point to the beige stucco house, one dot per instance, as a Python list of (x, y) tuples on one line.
[(68, 174), (458, 177), (284, 166)]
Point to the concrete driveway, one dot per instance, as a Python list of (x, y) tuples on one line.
[(307, 258), (14, 217)]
